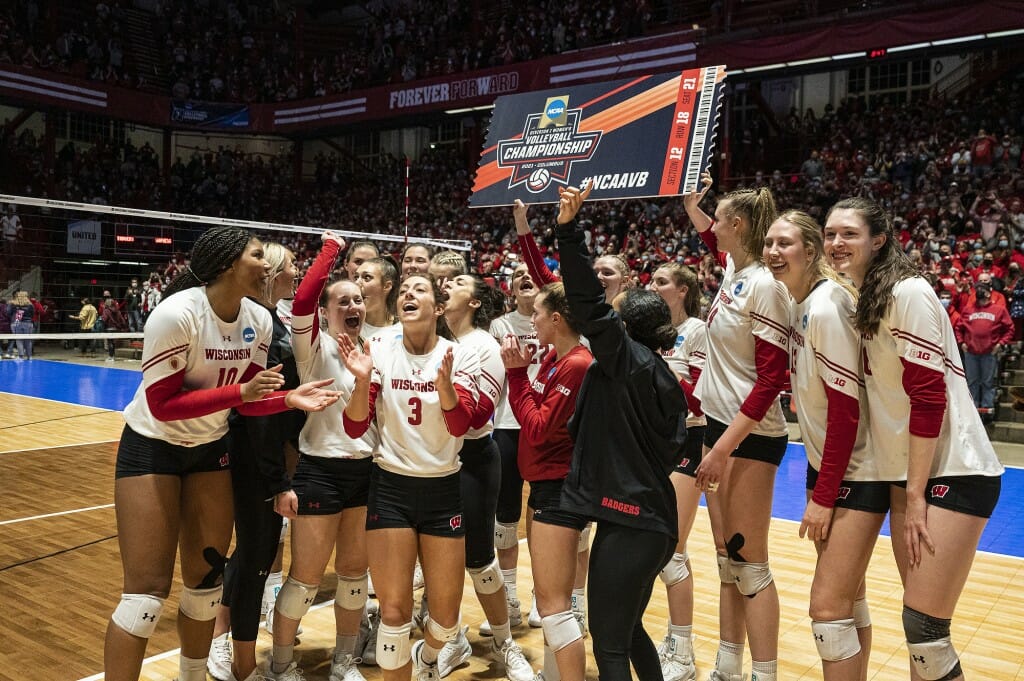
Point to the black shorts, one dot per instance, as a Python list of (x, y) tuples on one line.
[(968, 494), (326, 486), (766, 448), (546, 502), (870, 497), (693, 450), (140, 455), (428, 505)]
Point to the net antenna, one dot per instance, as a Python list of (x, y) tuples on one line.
[(453, 244)]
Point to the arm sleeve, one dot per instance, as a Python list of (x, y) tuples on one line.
[(465, 369), (490, 382), (305, 318), (840, 435), (692, 401), (926, 389), (534, 262), (916, 320), (356, 429), (542, 415), (597, 320), (771, 362)]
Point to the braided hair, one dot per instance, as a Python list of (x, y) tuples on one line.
[(214, 252)]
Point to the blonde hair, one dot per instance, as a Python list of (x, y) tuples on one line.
[(757, 206), (276, 256), (812, 238), (450, 259), (21, 298)]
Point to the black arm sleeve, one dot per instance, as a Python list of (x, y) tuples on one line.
[(596, 318)]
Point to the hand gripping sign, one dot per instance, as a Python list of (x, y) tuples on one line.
[(650, 136)]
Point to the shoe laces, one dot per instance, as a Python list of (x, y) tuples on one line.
[(513, 654)]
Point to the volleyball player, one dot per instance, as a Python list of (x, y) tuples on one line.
[(332, 478), (205, 349), (846, 503), (260, 483), (628, 430), (746, 435), (378, 281), (358, 253), (470, 307), (518, 323), (539, 272), (421, 388), (678, 286), (543, 407), (447, 265), (925, 432), (416, 259)]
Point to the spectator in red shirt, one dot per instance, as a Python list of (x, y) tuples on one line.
[(983, 331), (983, 152)]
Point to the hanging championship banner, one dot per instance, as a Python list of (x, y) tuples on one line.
[(650, 136)]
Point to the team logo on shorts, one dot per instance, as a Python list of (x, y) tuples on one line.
[(248, 334), (843, 493), (225, 461), (738, 288), (456, 521), (684, 463), (940, 491), (548, 146)]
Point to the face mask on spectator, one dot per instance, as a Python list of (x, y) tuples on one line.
[(1003, 243), (945, 302)]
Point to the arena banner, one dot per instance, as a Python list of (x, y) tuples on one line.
[(84, 237), (210, 115), (649, 136)]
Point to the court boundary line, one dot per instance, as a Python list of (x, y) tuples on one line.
[(53, 515), (73, 444), (49, 399)]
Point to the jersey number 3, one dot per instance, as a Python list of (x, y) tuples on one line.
[(416, 417)]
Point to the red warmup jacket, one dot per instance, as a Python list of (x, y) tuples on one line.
[(982, 327)]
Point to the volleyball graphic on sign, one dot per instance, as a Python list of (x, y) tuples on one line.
[(539, 179)]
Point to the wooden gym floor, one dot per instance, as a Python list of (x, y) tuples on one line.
[(60, 573)]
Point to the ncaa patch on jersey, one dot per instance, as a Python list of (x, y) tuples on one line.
[(249, 334), (738, 288)]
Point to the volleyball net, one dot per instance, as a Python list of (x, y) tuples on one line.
[(63, 252)]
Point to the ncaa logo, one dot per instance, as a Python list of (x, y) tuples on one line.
[(249, 334), (738, 288), (679, 340), (555, 108), (804, 321)]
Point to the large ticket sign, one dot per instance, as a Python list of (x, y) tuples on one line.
[(650, 136)]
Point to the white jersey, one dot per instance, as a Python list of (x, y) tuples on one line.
[(184, 334), (825, 350), (916, 329), (519, 325), (318, 357), (414, 439), (375, 334), (491, 379), (750, 304), (689, 355), (284, 313)]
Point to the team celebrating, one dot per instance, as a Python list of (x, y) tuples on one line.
[(420, 398)]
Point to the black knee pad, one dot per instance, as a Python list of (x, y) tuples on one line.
[(931, 650)]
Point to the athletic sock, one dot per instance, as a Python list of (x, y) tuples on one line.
[(764, 671), (282, 657), (345, 645), (501, 633), (730, 658), (191, 669)]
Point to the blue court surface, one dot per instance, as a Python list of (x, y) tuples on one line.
[(110, 388)]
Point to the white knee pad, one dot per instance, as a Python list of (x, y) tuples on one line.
[(394, 649), (560, 630), (836, 640), (284, 530), (138, 614), (506, 536), (200, 604), (861, 613), (443, 634), (488, 579), (295, 598), (584, 542), (724, 569), (751, 578), (351, 593), (934, 660), (675, 571)]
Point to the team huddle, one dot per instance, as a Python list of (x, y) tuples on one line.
[(420, 398)]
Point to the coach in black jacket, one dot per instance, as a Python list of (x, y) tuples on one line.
[(628, 432)]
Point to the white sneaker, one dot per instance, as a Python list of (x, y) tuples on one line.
[(515, 617), (421, 671), (716, 675), (534, 617), (663, 644), (369, 654), (454, 654), (219, 661), (292, 673), (345, 668), (254, 676), (678, 667), (417, 577), (517, 667)]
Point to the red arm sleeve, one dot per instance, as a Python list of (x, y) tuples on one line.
[(534, 261), (840, 435), (168, 402), (458, 419), (483, 413), (926, 389), (356, 429), (711, 241), (538, 419), (772, 362), (692, 403), (307, 295)]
